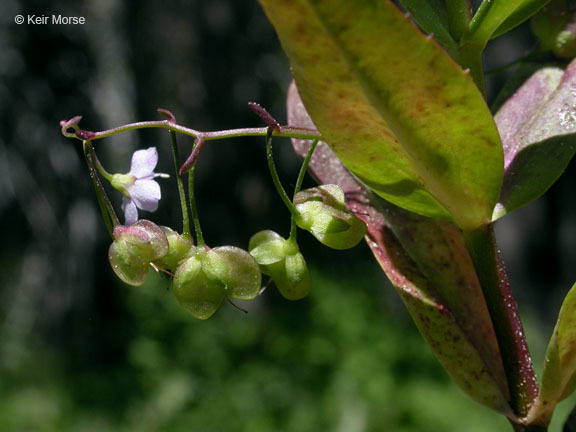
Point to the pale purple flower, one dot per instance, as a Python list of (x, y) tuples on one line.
[(138, 186)]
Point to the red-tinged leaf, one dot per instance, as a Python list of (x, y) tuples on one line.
[(394, 107), (428, 263), (537, 125)]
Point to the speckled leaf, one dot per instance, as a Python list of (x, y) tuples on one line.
[(393, 106), (431, 16), (559, 375), (431, 269), (537, 126)]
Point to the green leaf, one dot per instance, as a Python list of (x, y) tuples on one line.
[(559, 375), (538, 126), (394, 107), (431, 16), (491, 15), (521, 14), (429, 265)]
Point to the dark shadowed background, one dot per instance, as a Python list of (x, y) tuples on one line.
[(80, 351)]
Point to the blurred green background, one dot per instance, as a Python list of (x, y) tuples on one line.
[(80, 351)]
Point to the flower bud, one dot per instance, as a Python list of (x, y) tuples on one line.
[(179, 248), (282, 261), (133, 248), (322, 211)]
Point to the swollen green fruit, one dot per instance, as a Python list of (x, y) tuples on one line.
[(200, 295), (282, 261), (208, 276), (133, 248), (236, 270), (322, 211), (179, 248)]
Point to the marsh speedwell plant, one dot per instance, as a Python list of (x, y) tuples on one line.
[(388, 110)]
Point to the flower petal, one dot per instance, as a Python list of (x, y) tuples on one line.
[(143, 163), (130, 211), (145, 194)]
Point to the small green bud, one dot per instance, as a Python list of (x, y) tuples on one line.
[(133, 248), (179, 248), (566, 42), (322, 211), (199, 294), (555, 27), (282, 261)]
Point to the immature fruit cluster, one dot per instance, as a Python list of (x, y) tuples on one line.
[(203, 277)]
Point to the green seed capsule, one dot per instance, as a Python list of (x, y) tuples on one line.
[(236, 270), (202, 281), (179, 248), (198, 293), (282, 261), (133, 248), (127, 266), (322, 211)]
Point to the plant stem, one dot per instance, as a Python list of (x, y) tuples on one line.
[(304, 167), (504, 312), (459, 16), (275, 179), (469, 57), (299, 181), (108, 213), (197, 229), (284, 131), (183, 205)]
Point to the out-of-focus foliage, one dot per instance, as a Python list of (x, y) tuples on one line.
[(343, 360), (80, 351)]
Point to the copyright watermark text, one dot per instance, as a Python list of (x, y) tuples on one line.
[(49, 19)]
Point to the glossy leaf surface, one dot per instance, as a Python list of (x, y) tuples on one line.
[(521, 14), (393, 106), (538, 126), (492, 14), (429, 265)]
